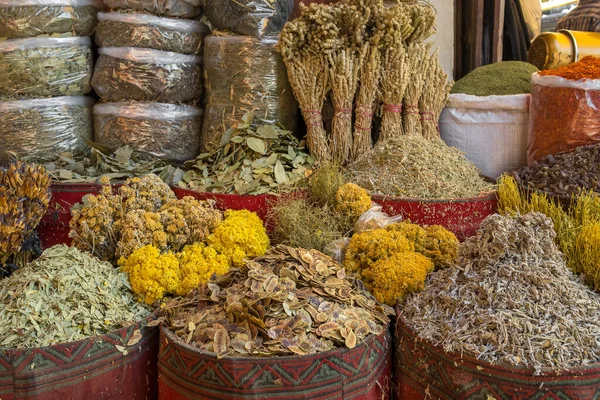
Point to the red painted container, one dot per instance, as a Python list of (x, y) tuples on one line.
[(461, 216), (88, 369), (185, 372), (424, 371)]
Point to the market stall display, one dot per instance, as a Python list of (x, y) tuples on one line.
[(30, 18), (129, 73), (155, 130), (45, 67), (147, 31), (564, 109), (241, 75)]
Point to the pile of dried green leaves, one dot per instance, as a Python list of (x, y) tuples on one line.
[(411, 166), (510, 300), (251, 160), (64, 296), (288, 302)]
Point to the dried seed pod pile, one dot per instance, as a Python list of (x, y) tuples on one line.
[(24, 199), (288, 302), (511, 300), (564, 174), (46, 303)]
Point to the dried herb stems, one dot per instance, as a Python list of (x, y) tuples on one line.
[(433, 99)]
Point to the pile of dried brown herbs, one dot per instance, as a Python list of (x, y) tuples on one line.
[(64, 296), (511, 300), (288, 302)]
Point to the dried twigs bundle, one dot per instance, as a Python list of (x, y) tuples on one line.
[(304, 45), (370, 74), (345, 64), (418, 54), (422, 21), (434, 97), (396, 70)]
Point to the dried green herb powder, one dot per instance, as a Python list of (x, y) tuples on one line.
[(503, 78)]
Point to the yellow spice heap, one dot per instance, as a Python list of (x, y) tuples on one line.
[(241, 235), (198, 264), (352, 200), (434, 242)]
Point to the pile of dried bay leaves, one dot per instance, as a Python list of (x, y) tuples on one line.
[(251, 160), (288, 302)]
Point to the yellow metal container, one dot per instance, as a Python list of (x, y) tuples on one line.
[(551, 50)]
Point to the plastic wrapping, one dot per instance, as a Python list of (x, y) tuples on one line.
[(168, 8), (149, 31), (375, 218), (563, 115), (44, 127), (127, 73), (45, 67), (490, 130), (30, 18), (257, 18), (166, 131), (337, 249), (243, 74)]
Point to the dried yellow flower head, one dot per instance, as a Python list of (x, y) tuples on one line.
[(352, 200)]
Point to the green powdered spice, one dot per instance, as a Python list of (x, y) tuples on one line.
[(503, 78), (31, 21), (411, 166), (64, 296)]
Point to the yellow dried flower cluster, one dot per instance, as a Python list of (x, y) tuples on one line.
[(24, 199), (241, 235), (152, 275), (434, 242), (395, 261), (399, 275), (198, 264), (144, 211), (352, 200)]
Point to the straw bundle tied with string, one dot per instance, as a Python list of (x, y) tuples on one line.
[(434, 97), (396, 66), (423, 22), (418, 53)]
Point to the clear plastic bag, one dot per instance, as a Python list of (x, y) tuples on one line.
[(375, 218), (168, 8), (166, 131), (30, 18), (128, 73), (148, 31), (244, 74), (42, 128), (337, 249), (256, 18), (563, 115), (45, 67)]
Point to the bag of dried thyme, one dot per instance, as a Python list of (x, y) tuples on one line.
[(166, 131), (129, 73), (257, 18), (148, 31), (41, 128), (45, 67), (168, 8), (244, 74), (30, 18)]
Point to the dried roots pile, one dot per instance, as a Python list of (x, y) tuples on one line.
[(511, 300), (289, 302), (24, 199), (364, 54)]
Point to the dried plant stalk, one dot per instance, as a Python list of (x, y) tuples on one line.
[(422, 20), (344, 72), (396, 75), (370, 75), (418, 55), (434, 96)]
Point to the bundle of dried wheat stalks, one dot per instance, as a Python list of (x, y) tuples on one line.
[(372, 60)]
